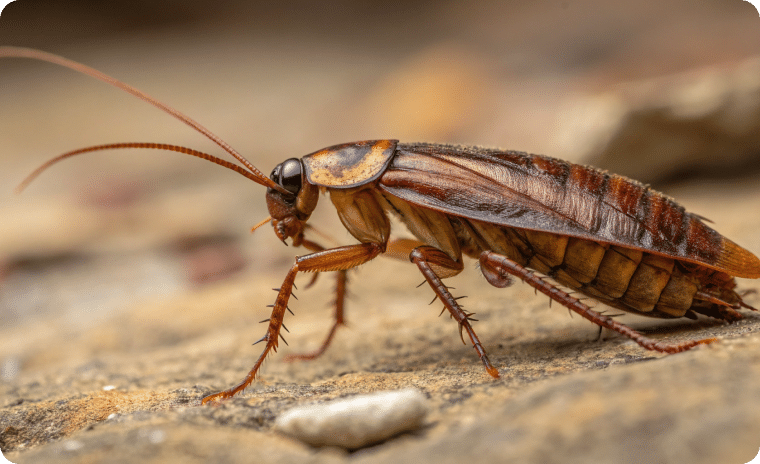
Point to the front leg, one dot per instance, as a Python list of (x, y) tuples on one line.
[(335, 259), (340, 304), (396, 249)]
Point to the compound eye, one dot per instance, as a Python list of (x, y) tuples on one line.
[(275, 175), (288, 174)]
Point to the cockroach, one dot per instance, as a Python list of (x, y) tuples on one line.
[(550, 223)]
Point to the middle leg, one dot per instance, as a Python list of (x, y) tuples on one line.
[(429, 260)]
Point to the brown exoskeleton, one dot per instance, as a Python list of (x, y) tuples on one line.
[(522, 215)]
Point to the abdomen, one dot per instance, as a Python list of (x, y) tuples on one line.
[(629, 279)]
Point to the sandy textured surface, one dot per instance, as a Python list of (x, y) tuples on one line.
[(130, 286)]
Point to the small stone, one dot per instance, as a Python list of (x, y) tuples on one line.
[(72, 445), (355, 422)]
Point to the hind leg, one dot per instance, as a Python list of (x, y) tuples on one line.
[(497, 269)]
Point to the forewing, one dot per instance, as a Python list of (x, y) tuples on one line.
[(540, 193)]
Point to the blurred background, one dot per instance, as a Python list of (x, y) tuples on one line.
[(131, 250), (663, 92)]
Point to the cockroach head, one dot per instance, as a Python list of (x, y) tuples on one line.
[(291, 210)]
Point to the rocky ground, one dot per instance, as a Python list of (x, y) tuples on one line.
[(130, 286)]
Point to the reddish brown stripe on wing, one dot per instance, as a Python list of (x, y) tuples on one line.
[(557, 169), (658, 223), (627, 198), (592, 181)]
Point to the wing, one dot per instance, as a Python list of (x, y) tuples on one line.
[(535, 192)]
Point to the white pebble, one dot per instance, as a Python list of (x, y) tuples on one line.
[(357, 421), (72, 445)]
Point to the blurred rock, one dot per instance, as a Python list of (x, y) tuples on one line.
[(439, 94), (704, 122)]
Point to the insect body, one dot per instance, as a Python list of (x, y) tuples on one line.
[(520, 215)]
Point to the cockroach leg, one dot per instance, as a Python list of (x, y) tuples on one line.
[(723, 313), (749, 291), (730, 314), (745, 305), (271, 337), (498, 266), (704, 296), (311, 246), (313, 280), (340, 299), (400, 249), (426, 258), (335, 259)]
